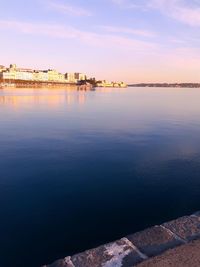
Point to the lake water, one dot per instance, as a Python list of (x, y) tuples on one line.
[(78, 169)]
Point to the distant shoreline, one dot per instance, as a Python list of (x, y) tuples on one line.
[(83, 85), (170, 85), (23, 77), (40, 84)]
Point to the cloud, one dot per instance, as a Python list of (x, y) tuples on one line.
[(187, 12), (68, 32), (131, 4), (125, 30), (69, 9)]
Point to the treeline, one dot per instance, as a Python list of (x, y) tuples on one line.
[(91, 81)]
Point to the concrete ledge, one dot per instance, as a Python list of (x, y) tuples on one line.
[(138, 248), (119, 253), (187, 228), (154, 241), (183, 256)]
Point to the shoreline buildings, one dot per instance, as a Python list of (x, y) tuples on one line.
[(22, 74), (14, 75), (105, 83)]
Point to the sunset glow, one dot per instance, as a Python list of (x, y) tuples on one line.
[(128, 40)]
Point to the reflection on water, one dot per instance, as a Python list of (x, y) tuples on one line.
[(81, 168), (51, 97)]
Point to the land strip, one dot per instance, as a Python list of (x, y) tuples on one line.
[(170, 85)]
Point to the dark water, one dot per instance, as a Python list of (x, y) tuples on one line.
[(78, 169)]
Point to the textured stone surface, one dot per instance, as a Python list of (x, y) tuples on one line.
[(154, 241), (197, 214), (187, 227), (62, 263), (117, 254), (184, 256), (135, 249)]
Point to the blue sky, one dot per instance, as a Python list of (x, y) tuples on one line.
[(130, 40)]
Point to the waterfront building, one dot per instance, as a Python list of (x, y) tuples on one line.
[(111, 84), (61, 77), (122, 84), (40, 76), (2, 68), (70, 77), (12, 73), (13, 67), (23, 75), (52, 75), (104, 84), (8, 75), (80, 76)]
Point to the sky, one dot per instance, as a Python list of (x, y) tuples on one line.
[(123, 40)]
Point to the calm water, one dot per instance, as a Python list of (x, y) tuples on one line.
[(78, 169)]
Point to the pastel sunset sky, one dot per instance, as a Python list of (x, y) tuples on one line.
[(129, 40)]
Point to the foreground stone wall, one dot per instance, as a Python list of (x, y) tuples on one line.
[(139, 247)]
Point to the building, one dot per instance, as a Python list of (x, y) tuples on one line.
[(55, 76), (8, 75), (2, 68), (52, 75), (80, 76), (15, 73), (23, 75), (61, 77), (13, 67), (40, 76), (70, 77), (104, 84), (111, 84)]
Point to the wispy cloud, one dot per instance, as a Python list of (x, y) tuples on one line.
[(187, 12), (126, 30), (184, 11), (67, 32), (131, 4), (69, 9)]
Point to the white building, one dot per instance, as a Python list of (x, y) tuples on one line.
[(23, 75), (14, 73), (7, 75), (70, 77), (40, 76)]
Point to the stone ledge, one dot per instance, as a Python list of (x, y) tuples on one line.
[(183, 256), (187, 228), (137, 248), (119, 253), (154, 241)]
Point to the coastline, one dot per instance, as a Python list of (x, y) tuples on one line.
[(50, 84), (23, 77), (33, 84), (166, 85)]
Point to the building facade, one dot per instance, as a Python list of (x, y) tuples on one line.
[(70, 77), (80, 76), (15, 73)]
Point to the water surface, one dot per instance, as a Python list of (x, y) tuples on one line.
[(78, 169)]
